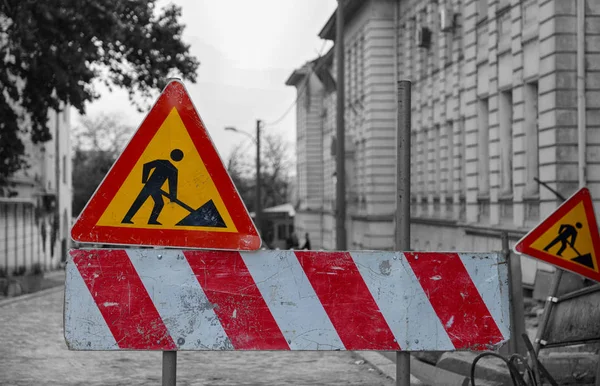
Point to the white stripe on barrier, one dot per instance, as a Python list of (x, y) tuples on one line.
[(180, 301), (293, 303), (413, 321), (486, 278), (87, 326)]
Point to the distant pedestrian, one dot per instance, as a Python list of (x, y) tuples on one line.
[(292, 242), (306, 242)]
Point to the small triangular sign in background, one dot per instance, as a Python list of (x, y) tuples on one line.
[(568, 238), (168, 188)]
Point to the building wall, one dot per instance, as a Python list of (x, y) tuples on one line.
[(494, 105), (505, 91), (369, 139), (35, 221)]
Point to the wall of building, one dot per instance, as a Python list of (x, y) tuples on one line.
[(35, 220), (494, 105)]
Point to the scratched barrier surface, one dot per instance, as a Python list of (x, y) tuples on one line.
[(150, 299)]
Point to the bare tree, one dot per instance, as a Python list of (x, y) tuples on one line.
[(276, 166), (97, 143), (101, 133)]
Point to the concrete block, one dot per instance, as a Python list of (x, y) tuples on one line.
[(490, 369), (569, 368), (566, 153), (592, 99), (543, 282), (566, 99), (546, 11), (592, 62), (592, 80), (592, 7), (592, 24), (564, 7), (593, 154)]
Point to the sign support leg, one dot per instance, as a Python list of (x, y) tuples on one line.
[(169, 368), (517, 323), (402, 231), (547, 310)]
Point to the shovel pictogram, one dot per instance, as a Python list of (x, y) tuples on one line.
[(583, 259), (205, 216)]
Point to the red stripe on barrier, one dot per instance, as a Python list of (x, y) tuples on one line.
[(123, 300), (237, 301), (455, 299), (347, 300)]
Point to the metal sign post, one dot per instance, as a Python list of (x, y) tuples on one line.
[(169, 368), (402, 233)]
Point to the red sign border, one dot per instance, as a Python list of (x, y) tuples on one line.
[(85, 229), (523, 246)]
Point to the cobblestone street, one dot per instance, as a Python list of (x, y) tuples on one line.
[(33, 352)]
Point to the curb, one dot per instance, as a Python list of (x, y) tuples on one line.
[(384, 365), (34, 295)]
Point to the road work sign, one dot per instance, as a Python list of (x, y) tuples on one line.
[(168, 188), (568, 238), (151, 299)]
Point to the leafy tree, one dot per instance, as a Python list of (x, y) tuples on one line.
[(54, 50), (97, 143)]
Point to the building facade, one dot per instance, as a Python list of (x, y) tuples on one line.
[(369, 139), (35, 217), (494, 107)]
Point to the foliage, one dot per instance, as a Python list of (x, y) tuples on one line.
[(54, 50), (19, 271), (36, 269), (97, 143), (276, 164)]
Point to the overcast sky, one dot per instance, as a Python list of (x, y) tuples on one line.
[(247, 49)]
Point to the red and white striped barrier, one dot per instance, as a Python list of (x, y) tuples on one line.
[(149, 299)]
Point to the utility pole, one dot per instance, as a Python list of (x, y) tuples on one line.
[(258, 202), (340, 171)]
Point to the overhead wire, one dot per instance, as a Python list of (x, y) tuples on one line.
[(301, 91)]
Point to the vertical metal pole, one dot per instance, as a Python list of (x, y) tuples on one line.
[(258, 202), (57, 182), (547, 310), (6, 238), (402, 231), (340, 171), (550, 300), (16, 236), (169, 368), (581, 102), (517, 314), (25, 236)]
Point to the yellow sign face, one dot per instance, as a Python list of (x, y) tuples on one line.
[(167, 187), (570, 239)]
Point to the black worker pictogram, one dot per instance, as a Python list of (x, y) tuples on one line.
[(154, 175), (567, 236)]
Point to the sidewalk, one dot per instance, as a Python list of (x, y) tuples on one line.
[(34, 352), (51, 279)]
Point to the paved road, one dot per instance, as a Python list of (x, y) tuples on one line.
[(33, 352)]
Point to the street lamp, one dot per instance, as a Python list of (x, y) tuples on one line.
[(257, 202)]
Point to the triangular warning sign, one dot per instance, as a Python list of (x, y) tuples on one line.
[(568, 238), (168, 188)]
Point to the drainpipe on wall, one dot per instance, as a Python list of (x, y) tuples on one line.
[(581, 123)]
